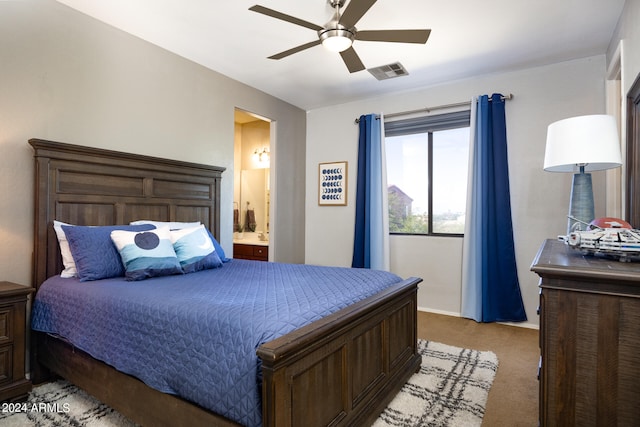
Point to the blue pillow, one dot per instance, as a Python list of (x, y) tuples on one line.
[(146, 253), (195, 249), (180, 225), (94, 253), (219, 249)]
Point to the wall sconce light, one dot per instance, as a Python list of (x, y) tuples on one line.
[(262, 156)]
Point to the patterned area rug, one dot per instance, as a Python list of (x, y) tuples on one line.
[(60, 404), (449, 391)]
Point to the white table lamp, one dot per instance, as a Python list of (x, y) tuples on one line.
[(582, 144)]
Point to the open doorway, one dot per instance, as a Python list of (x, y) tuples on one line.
[(252, 207), (614, 177), (633, 154)]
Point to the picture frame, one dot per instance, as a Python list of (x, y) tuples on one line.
[(332, 184)]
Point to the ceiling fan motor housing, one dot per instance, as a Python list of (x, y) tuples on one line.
[(334, 28), (337, 31)]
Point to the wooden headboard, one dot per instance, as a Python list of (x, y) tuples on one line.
[(91, 186)]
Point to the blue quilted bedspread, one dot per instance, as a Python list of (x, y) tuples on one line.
[(196, 335)]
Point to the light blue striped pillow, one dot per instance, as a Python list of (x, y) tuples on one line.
[(146, 254), (195, 249)]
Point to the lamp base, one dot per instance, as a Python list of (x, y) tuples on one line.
[(581, 207)]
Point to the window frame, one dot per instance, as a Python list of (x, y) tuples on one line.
[(428, 125)]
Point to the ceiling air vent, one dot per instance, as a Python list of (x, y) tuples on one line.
[(389, 71)]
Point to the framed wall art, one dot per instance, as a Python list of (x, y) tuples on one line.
[(332, 184)]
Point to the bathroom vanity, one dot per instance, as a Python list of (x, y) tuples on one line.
[(251, 246)]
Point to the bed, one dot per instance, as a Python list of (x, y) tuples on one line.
[(340, 369)]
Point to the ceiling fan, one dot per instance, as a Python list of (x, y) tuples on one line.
[(339, 33)]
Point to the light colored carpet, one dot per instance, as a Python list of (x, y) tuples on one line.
[(450, 390)]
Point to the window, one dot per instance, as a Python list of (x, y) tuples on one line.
[(427, 163)]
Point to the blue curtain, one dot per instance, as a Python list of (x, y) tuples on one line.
[(491, 290), (371, 239)]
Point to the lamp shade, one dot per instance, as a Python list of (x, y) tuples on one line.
[(589, 141)]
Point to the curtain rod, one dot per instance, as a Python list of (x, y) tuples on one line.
[(439, 107)]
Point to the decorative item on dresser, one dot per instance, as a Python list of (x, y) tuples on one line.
[(13, 301), (589, 338)]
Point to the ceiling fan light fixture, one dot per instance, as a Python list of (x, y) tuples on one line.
[(337, 40)]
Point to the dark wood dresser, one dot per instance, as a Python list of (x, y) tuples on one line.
[(13, 336), (589, 338)]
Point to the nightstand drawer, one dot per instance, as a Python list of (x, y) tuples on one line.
[(6, 329), (6, 363)]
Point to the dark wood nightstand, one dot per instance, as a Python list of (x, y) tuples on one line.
[(13, 335)]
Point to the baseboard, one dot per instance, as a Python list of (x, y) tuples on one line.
[(443, 312), (455, 314), (526, 325)]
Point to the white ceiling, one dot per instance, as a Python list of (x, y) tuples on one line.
[(468, 38)]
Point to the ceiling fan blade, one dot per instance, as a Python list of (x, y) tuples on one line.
[(295, 50), (288, 18), (352, 60), (354, 11), (397, 36)]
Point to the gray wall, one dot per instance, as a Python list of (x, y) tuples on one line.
[(540, 200), (628, 31), (67, 77)]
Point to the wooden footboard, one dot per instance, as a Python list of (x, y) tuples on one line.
[(345, 368)]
